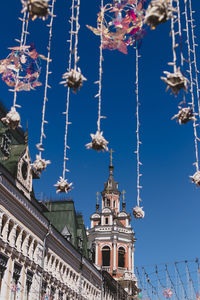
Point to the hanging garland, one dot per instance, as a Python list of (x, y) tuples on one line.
[(73, 79), (158, 12), (138, 211), (12, 119), (36, 8), (120, 24), (98, 142), (40, 164)]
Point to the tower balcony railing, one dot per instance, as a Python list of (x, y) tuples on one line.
[(122, 270), (106, 268)]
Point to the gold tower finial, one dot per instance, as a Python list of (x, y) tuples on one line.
[(123, 193), (111, 156), (97, 197)]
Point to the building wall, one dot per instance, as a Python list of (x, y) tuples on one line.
[(41, 259), (27, 239)]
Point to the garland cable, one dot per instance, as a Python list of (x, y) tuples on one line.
[(191, 89), (138, 132), (100, 68), (190, 278), (68, 93), (22, 42), (180, 31), (76, 58), (194, 45), (181, 282), (172, 284), (50, 25), (149, 282), (173, 43)]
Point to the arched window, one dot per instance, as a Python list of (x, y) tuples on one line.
[(106, 256), (108, 202), (121, 257)]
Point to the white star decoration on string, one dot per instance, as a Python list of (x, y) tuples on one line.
[(158, 12), (98, 142), (138, 212), (40, 164), (196, 178), (73, 79), (63, 186), (175, 81), (184, 115), (36, 8), (12, 119)]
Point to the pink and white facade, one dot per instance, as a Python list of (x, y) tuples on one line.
[(112, 237)]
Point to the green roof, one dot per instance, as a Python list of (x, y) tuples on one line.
[(62, 214), (16, 147)]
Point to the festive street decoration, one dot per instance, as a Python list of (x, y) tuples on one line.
[(36, 8), (40, 164), (98, 142), (158, 12), (138, 212), (175, 81), (73, 79), (167, 293), (184, 115), (21, 69), (124, 26), (196, 178), (12, 118), (177, 281), (63, 186)]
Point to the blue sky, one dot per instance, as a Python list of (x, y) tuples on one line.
[(170, 229)]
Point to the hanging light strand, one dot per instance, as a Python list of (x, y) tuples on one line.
[(191, 88), (138, 130), (50, 25), (171, 282), (68, 91), (194, 45), (173, 42), (180, 31), (180, 280), (76, 58), (190, 281), (22, 41), (100, 68)]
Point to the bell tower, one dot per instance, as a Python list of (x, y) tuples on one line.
[(111, 235)]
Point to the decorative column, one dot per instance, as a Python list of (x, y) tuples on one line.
[(129, 257), (133, 260), (96, 254), (114, 256), (30, 251), (4, 233), (12, 236), (19, 241), (1, 218), (25, 245)]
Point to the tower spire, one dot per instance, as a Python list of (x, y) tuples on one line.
[(97, 204), (111, 157), (123, 202)]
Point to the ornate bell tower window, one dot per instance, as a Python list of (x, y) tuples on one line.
[(106, 256), (106, 221), (121, 257)]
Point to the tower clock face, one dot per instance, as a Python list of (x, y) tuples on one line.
[(24, 170)]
